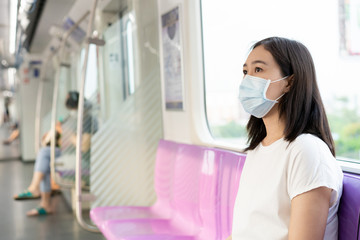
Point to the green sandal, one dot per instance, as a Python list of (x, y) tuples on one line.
[(39, 211), (26, 195)]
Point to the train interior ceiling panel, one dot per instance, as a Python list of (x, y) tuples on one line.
[(179, 119)]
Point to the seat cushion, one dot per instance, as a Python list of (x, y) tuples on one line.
[(144, 229)]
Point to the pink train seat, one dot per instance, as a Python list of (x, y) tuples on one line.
[(196, 203)]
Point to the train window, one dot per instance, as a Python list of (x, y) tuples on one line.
[(91, 83), (130, 57), (230, 29), (64, 71)]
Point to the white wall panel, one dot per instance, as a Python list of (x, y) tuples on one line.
[(192, 120)]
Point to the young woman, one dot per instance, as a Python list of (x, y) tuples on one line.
[(291, 184)]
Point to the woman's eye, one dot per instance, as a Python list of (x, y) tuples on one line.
[(245, 72), (257, 69)]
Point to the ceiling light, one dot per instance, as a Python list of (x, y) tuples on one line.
[(13, 25)]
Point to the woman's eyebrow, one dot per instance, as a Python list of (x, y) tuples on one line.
[(256, 61), (259, 61)]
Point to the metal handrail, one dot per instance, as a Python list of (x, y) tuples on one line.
[(78, 191), (55, 98), (39, 101), (38, 107)]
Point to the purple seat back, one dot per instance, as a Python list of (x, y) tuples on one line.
[(164, 174), (204, 190), (349, 209), (221, 171), (185, 189)]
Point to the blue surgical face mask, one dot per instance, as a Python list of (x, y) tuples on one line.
[(252, 95)]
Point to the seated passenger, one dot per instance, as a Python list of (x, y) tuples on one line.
[(13, 135), (41, 183), (291, 184), (68, 146)]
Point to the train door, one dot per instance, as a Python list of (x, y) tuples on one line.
[(124, 148)]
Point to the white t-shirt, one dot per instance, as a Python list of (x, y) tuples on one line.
[(272, 176)]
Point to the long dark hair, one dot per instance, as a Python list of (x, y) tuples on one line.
[(72, 100), (301, 107)]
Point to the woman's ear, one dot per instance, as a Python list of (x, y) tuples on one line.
[(289, 82)]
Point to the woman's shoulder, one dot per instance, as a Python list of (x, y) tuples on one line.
[(308, 137), (309, 145), (311, 165), (309, 141)]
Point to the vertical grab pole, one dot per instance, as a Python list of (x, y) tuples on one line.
[(38, 105), (53, 117), (39, 100), (78, 190), (55, 98)]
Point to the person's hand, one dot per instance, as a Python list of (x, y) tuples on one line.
[(229, 238), (45, 139), (58, 127), (86, 141)]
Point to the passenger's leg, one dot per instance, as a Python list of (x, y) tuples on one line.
[(14, 135), (45, 186), (42, 166), (45, 203), (35, 183), (41, 169)]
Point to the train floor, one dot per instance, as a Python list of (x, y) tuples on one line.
[(15, 176)]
